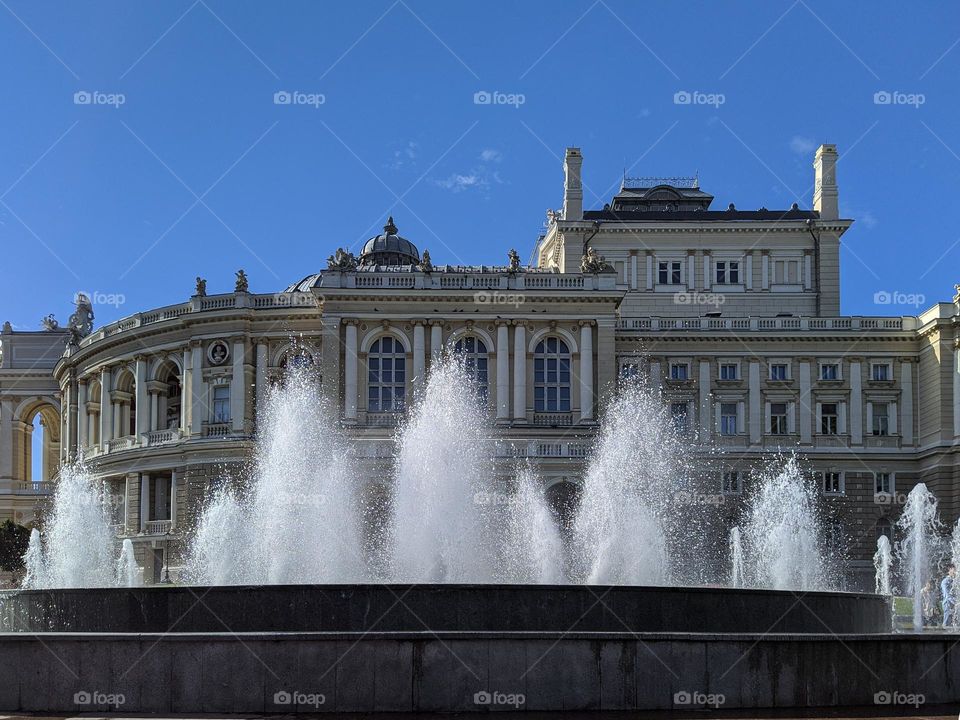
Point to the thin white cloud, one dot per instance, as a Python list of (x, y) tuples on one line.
[(802, 145), (481, 177), (490, 155)]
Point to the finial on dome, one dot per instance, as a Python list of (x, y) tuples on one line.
[(390, 228)]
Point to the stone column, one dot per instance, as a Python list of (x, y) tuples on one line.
[(144, 501), (185, 380), (350, 372), (143, 400), (261, 378), (106, 411), (238, 388), (906, 401), (805, 414), (197, 395), (856, 404), (633, 269), (703, 383), (6, 442), (419, 356), (586, 372), (756, 404), (154, 410), (173, 500), (82, 420), (520, 372), (503, 371), (436, 340)]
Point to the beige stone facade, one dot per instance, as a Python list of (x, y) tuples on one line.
[(734, 314)]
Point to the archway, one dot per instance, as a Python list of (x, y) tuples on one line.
[(38, 442)]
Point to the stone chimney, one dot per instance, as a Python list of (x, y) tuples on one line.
[(825, 195), (572, 189)]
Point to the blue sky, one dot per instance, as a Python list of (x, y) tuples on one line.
[(199, 172)]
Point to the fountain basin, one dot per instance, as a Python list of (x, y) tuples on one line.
[(441, 608)]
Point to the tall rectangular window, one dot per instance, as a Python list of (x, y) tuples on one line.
[(881, 372), (728, 418), (778, 371), (678, 371), (221, 404), (679, 417), (881, 419), (830, 371), (883, 483), (732, 482), (828, 419), (728, 371), (831, 483), (778, 418)]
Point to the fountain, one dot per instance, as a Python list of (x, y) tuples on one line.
[(464, 551), (784, 531), (736, 559), (442, 509), (882, 562), (78, 548), (128, 572), (621, 530), (920, 551)]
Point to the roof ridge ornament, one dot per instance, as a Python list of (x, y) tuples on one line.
[(390, 228)]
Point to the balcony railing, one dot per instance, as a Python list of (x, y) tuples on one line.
[(832, 441), (34, 488), (387, 419), (217, 429), (758, 324), (122, 443), (157, 527), (552, 419), (162, 437), (881, 441), (540, 449)]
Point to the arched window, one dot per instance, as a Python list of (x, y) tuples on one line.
[(387, 376), (472, 352), (551, 376)]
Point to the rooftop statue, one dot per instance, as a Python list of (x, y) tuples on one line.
[(243, 285), (593, 262), (425, 265), (80, 323), (49, 322), (342, 260), (201, 290), (514, 257)]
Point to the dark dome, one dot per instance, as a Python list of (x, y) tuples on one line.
[(388, 248)]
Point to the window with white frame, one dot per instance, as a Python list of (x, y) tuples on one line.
[(786, 271), (881, 418), (881, 372), (883, 483), (831, 482), (679, 417), (778, 418), (829, 419), (729, 371), (472, 354), (221, 404), (551, 376), (731, 482), (829, 371), (728, 418), (679, 371), (779, 371), (728, 272), (386, 376), (670, 272)]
